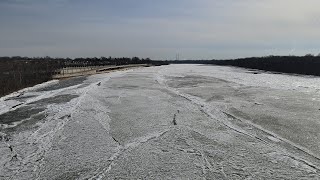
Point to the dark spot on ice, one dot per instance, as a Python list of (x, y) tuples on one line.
[(174, 121), (55, 100), (20, 97), (66, 116), (27, 124), (64, 83), (16, 105), (14, 158), (19, 114), (11, 148), (116, 140)]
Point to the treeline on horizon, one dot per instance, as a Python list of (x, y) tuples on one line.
[(20, 72), (307, 65)]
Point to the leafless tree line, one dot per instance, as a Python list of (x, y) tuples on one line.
[(308, 64)]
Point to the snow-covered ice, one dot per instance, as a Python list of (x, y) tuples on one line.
[(167, 122)]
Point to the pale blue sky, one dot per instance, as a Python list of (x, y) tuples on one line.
[(196, 29)]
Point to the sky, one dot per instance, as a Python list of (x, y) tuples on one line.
[(159, 29)]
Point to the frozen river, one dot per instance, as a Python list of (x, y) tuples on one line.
[(167, 122)]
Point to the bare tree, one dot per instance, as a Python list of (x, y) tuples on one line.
[(309, 55)]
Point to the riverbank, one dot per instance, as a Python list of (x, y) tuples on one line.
[(80, 71), (68, 72)]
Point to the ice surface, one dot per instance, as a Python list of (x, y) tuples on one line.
[(167, 122)]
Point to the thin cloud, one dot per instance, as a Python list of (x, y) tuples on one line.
[(196, 28)]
